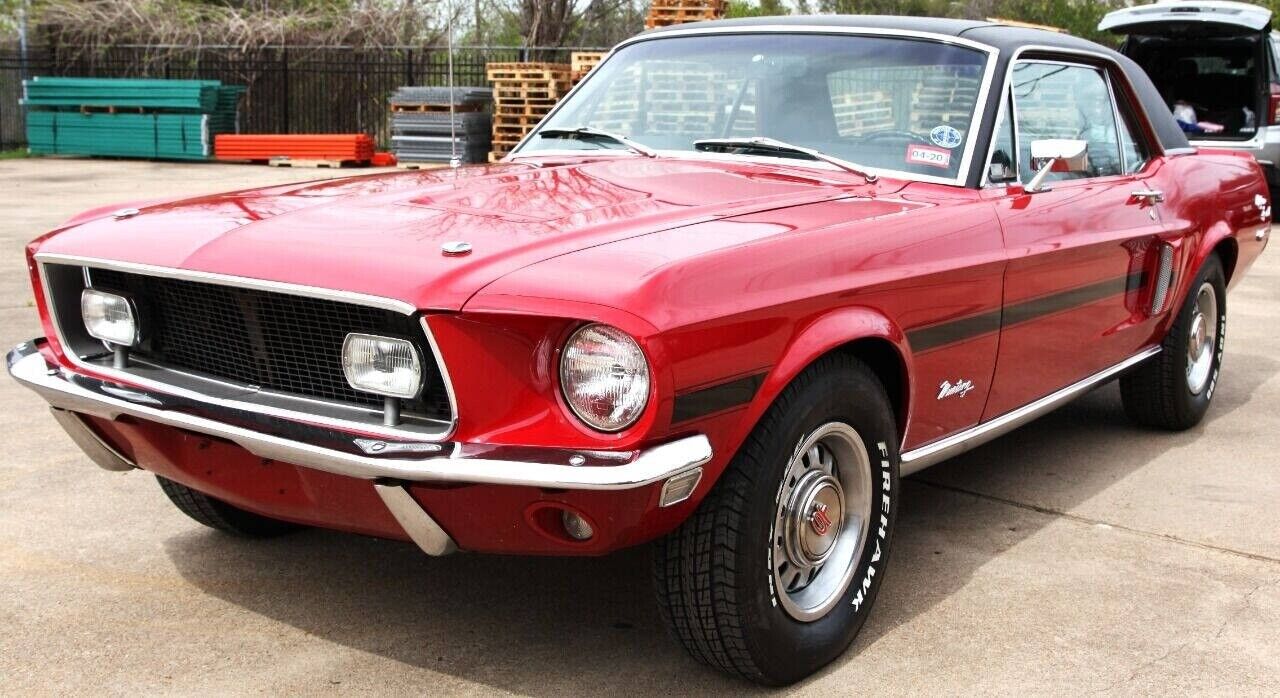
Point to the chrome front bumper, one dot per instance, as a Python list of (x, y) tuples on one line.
[(342, 453)]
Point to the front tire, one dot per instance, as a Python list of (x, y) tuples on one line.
[(219, 515), (1173, 389), (776, 572)]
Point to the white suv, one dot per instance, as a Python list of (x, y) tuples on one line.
[(1215, 63)]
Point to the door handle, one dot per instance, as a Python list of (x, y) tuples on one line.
[(1153, 196)]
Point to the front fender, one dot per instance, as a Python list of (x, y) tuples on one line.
[(826, 333)]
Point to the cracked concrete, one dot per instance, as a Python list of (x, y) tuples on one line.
[(1078, 555)]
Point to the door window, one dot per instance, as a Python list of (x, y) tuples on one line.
[(1065, 101)]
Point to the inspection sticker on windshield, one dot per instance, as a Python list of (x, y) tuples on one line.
[(927, 155), (945, 136)]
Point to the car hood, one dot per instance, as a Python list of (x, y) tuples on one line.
[(382, 234)]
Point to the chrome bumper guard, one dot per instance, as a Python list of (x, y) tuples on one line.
[(342, 453)]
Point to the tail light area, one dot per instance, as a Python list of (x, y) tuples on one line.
[(1273, 105)]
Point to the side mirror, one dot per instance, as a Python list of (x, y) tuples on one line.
[(1056, 155)]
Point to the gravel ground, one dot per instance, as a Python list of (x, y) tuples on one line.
[(1080, 554)]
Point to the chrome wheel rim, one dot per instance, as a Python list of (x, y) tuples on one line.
[(1202, 339), (821, 521)]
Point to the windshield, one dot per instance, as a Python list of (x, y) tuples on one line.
[(888, 103)]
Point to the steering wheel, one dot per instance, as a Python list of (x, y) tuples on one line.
[(893, 133)]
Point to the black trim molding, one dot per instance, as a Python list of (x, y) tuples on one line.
[(705, 401), (934, 336)]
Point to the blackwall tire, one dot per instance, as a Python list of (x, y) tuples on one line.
[(717, 576), (219, 515), (1173, 389)]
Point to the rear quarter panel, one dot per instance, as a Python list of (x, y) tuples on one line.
[(1213, 195)]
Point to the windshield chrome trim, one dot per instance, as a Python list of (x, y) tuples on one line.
[(976, 124), (807, 29), (267, 402)]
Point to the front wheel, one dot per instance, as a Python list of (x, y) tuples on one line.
[(777, 571), (1173, 389), (219, 515)]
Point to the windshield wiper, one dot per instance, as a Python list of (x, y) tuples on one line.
[(587, 134), (771, 146)]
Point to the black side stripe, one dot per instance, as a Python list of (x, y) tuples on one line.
[(705, 401), (934, 336)]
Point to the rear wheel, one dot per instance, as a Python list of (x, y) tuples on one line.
[(1174, 388), (216, 513), (777, 571)]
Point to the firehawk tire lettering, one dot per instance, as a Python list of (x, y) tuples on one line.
[(886, 483)]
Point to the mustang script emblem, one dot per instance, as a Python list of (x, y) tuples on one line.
[(960, 388)]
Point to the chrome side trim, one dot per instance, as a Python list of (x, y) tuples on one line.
[(976, 124), (464, 463), (392, 304), (100, 452), (918, 459), (415, 521), (235, 395)]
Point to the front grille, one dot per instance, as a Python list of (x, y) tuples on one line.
[(277, 341)]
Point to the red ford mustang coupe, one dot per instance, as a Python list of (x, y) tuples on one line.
[(744, 278)]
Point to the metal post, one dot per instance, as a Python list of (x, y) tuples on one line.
[(284, 109), (454, 160), (390, 411), (22, 40)]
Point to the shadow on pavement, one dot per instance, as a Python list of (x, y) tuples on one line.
[(549, 626)]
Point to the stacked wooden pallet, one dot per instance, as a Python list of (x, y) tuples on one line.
[(430, 124), (312, 150), (523, 93), (858, 112), (664, 13), (944, 96), (163, 119), (583, 62)]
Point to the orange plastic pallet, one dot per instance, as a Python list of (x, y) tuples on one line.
[(356, 147)]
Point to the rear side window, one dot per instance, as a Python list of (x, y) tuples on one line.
[(1066, 101)]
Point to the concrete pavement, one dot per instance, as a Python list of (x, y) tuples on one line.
[(1078, 555)]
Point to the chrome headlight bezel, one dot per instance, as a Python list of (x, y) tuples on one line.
[(633, 364), (351, 365), (129, 337)]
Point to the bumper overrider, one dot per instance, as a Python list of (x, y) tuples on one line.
[(390, 466)]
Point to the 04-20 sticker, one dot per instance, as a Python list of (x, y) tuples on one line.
[(928, 155)]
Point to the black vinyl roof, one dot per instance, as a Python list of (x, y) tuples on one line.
[(1006, 38)]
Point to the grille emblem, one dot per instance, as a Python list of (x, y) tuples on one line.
[(125, 213)]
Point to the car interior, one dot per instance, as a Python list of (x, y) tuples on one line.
[(1222, 79)]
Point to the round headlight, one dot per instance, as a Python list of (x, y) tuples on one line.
[(605, 377)]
